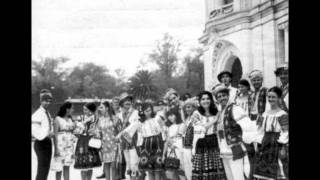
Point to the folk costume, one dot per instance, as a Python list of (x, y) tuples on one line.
[(207, 163), (273, 136)]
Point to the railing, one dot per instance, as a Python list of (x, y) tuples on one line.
[(225, 9)]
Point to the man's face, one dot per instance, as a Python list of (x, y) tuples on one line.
[(127, 104), (256, 82), (222, 98), (45, 104), (173, 99), (225, 79), (284, 77)]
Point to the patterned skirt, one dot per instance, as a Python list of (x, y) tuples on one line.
[(151, 150), (266, 162), (207, 163), (85, 156)]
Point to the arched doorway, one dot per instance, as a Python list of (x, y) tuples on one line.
[(236, 71)]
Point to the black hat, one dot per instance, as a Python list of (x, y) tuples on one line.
[(245, 83), (222, 73), (281, 68)]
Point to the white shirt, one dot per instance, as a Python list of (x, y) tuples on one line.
[(40, 127), (232, 93), (249, 129)]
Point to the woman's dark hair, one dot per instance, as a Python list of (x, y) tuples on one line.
[(144, 106), (174, 111), (63, 109), (91, 106), (244, 82), (276, 90), (185, 96), (110, 111), (212, 108)]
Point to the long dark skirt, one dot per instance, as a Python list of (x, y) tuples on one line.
[(266, 162), (207, 163), (152, 147), (85, 156)]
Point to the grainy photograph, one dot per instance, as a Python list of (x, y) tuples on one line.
[(160, 90)]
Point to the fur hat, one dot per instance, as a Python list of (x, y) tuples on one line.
[(281, 68), (255, 74)]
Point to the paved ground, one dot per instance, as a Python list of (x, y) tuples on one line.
[(74, 174)]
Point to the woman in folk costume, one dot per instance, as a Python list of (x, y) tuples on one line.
[(127, 116), (106, 127), (274, 139), (283, 73), (64, 141), (86, 157), (173, 144), (149, 128), (189, 106), (234, 129), (207, 164)]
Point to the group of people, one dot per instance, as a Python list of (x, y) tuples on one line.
[(226, 134)]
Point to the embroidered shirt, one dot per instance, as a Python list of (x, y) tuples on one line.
[(275, 122)]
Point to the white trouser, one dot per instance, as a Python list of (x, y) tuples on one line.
[(187, 155), (132, 161), (234, 169)]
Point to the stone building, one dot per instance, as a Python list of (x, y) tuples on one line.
[(242, 35)]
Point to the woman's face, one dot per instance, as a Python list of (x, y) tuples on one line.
[(86, 111), (173, 99), (70, 111), (273, 98), (102, 109), (243, 89), (148, 112), (115, 103), (189, 110), (172, 118), (205, 101)]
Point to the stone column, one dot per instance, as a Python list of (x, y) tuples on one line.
[(286, 45)]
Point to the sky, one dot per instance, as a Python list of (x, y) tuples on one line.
[(113, 33)]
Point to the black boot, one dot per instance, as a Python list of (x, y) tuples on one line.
[(102, 176)]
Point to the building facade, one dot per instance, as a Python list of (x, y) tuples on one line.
[(243, 35)]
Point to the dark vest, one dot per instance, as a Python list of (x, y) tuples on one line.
[(233, 133)]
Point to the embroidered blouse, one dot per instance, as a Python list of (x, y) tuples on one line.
[(275, 122)]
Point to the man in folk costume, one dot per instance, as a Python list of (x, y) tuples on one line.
[(234, 127), (258, 99), (127, 116), (42, 132), (225, 77), (282, 72)]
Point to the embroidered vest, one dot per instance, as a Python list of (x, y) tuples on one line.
[(233, 133), (262, 99)]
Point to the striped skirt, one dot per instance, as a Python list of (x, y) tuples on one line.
[(207, 163)]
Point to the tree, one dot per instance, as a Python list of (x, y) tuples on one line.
[(142, 86), (194, 70), (89, 80), (48, 74), (165, 56)]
